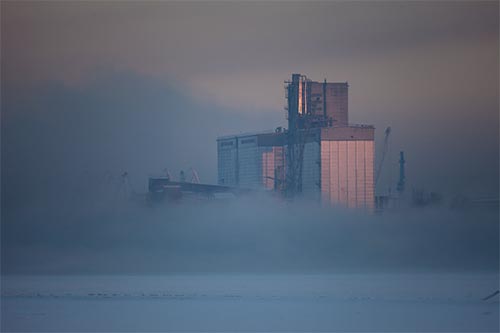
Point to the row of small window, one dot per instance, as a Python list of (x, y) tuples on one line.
[(231, 143), (227, 143)]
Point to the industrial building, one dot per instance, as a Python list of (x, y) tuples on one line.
[(347, 164), (252, 161), (319, 156)]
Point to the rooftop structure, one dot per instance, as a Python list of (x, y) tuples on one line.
[(316, 104)]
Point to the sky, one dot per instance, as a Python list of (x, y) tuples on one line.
[(95, 88)]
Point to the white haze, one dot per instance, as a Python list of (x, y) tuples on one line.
[(105, 233), (104, 263)]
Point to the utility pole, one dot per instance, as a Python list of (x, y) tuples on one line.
[(401, 183)]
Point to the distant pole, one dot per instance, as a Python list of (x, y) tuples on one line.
[(384, 152), (402, 178)]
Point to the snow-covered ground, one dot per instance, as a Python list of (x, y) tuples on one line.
[(287, 302)]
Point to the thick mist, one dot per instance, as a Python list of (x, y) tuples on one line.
[(109, 234)]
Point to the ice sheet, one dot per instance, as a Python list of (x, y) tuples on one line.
[(232, 302)]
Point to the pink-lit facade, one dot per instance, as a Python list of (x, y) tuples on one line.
[(347, 173), (338, 167)]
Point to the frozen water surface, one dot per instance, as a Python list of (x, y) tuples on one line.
[(336, 302)]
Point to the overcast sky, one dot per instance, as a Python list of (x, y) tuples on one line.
[(145, 85)]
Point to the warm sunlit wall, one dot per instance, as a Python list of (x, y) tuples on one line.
[(347, 173)]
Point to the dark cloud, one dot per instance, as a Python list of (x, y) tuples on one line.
[(55, 138)]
